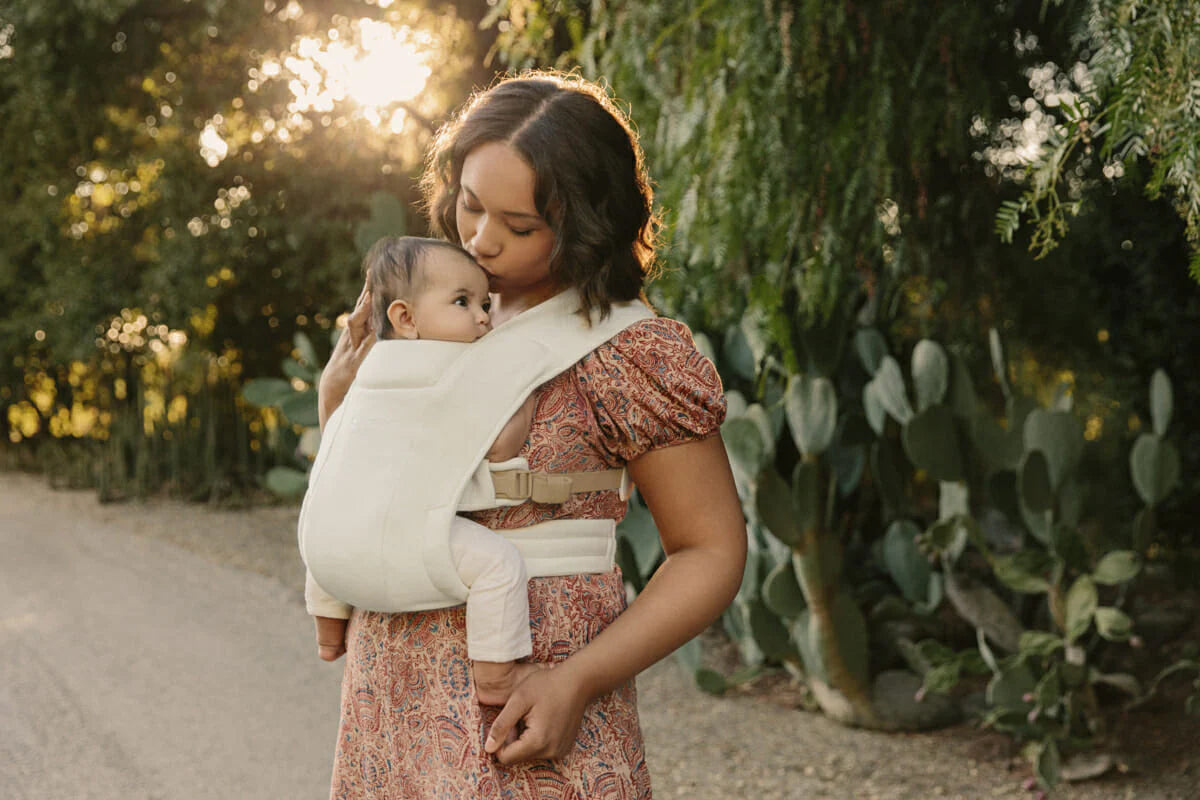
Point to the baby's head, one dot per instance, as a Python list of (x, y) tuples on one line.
[(426, 289)]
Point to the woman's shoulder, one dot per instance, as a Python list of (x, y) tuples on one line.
[(649, 386), (657, 336)]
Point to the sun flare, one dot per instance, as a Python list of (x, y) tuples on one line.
[(379, 68)]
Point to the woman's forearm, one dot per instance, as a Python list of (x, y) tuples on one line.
[(690, 492), (687, 593)]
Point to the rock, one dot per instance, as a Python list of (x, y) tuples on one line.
[(894, 696)]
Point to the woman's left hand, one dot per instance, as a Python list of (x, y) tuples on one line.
[(549, 704)]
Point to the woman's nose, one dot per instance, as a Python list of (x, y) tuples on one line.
[(484, 244)]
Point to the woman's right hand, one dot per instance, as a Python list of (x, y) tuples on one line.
[(348, 354)]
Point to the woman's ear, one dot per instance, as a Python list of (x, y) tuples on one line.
[(399, 314)]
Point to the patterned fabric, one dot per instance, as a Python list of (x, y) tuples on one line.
[(411, 728)]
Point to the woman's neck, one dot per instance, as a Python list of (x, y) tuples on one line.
[(508, 305)]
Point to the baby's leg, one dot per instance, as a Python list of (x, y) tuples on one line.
[(497, 608)]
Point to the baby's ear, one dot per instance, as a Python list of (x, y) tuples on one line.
[(399, 314)]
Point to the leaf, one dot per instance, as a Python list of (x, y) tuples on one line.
[(294, 369), (1161, 402), (639, 530), (1113, 624), (689, 655), (1119, 680), (711, 681), (301, 408), (1014, 572), (806, 496), (308, 353), (1034, 482), (1047, 764), (770, 633), (931, 373), (871, 348), (775, 507), (738, 354), (743, 440), (1082, 601), (1155, 467), (889, 383), (704, 346), (310, 442), (388, 218), (1059, 436), (266, 392), (999, 366), (931, 441), (781, 591), (811, 406), (963, 399), (873, 408), (904, 562), (848, 464), (1040, 643), (286, 482), (1117, 567)]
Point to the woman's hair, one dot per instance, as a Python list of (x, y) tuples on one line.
[(394, 270), (589, 171)]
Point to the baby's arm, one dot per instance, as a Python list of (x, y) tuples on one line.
[(330, 615), (512, 437)]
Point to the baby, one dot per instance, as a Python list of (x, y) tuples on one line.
[(432, 289)]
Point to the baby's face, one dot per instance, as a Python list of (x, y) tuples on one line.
[(453, 304)]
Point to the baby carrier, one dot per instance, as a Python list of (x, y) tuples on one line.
[(375, 521)]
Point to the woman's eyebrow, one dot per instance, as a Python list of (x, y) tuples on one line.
[(524, 214)]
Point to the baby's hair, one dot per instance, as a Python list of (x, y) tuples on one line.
[(590, 178), (394, 270)]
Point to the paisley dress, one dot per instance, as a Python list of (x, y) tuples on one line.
[(411, 728)]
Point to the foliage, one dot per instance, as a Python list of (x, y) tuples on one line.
[(193, 163), (1135, 94), (296, 399)]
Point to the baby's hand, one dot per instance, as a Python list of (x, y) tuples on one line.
[(331, 638)]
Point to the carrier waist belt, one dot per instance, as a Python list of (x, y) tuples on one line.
[(566, 546)]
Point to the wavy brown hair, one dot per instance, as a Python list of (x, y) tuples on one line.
[(590, 177)]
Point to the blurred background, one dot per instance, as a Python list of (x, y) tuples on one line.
[(188, 188)]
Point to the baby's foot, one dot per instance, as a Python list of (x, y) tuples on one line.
[(495, 680)]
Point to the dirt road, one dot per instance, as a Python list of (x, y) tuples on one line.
[(161, 650)]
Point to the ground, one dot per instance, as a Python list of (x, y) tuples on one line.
[(754, 743)]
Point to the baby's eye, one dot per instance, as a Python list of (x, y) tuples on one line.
[(461, 301), (487, 306)]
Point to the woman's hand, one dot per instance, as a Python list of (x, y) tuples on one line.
[(348, 354), (549, 706)]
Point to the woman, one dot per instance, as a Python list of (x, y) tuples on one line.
[(542, 180)]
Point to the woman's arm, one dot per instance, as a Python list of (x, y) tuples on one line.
[(348, 354), (689, 490)]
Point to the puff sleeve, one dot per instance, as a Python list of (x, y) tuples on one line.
[(649, 387)]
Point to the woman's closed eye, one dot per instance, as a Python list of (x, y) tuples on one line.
[(471, 208)]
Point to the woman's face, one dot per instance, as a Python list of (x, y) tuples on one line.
[(498, 223)]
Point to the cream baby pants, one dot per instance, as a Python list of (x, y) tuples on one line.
[(497, 592)]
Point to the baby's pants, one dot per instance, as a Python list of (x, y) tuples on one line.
[(497, 592)]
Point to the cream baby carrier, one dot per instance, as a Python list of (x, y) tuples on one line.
[(375, 521)]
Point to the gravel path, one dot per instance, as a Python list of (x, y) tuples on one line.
[(699, 747)]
